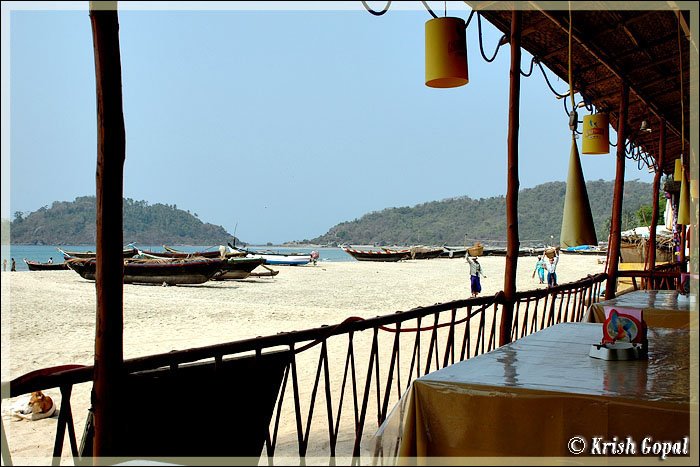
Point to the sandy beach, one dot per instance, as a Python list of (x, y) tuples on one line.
[(48, 318)]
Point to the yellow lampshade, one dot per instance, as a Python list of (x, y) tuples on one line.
[(684, 203), (678, 171), (446, 53), (595, 134)]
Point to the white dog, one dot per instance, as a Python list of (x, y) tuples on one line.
[(39, 406)]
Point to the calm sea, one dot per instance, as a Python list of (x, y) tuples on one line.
[(42, 253)]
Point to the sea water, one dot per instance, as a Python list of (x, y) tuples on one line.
[(42, 253)]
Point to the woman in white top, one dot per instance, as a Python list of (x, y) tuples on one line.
[(552, 270)]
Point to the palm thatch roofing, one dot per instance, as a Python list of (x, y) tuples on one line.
[(646, 49)]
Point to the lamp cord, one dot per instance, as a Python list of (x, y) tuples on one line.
[(377, 13), (571, 79), (680, 66)]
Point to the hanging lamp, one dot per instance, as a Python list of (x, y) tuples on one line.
[(678, 170), (446, 53), (595, 138), (684, 202), (577, 226)]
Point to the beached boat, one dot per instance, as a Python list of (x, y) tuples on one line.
[(418, 252), (584, 250), (222, 252), (382, 255), (450, 252), (238, 268), (493, 251), (154, 271), (37, 266), (126, 253), (277, 258)]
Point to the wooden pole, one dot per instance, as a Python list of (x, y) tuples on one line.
[(111, 149), (616, 216), (509, 287), (651, 244)]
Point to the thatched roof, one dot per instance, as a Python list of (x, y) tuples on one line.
[(609, 46)]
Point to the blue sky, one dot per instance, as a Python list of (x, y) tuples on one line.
[(278, 123)]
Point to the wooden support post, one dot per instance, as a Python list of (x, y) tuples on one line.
[(111, 149), (509, 287), (616, 216), (651, 244)]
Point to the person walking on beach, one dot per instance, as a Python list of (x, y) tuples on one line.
[(474, 272), (552, 270), (539, 269), (13, 266), (4, 264)]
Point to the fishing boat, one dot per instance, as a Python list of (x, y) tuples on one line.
[(381, 255), (450, 252), (37, 266), (277, 258), (222, 252), (156, 271), (238, 268), (584, 250), (418, 252), (126, 253)]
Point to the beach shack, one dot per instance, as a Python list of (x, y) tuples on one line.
[(509, 375)]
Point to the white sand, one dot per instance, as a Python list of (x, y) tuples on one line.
[(48, 318)]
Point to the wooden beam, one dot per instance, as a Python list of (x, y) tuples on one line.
[(509, 286), (111, 150), (616, 215)]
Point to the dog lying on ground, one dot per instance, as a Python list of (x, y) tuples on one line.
[(39, 406)]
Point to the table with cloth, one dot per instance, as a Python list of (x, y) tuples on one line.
[(530, 397), (662, 308)]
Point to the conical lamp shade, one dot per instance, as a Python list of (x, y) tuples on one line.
[(577, 223), (684, 203), (446, 53)]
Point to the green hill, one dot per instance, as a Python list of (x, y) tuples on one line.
[(436, 222), (73, 223), (448, 221)]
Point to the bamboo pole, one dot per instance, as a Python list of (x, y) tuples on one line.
[(509, 287), (651, 244), (616, 216), (111, 149)]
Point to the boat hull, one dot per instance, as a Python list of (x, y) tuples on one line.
[(37, 266), (174, 272), (384, 256), (238, 268)]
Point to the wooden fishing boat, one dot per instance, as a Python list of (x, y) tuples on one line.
[(449, 252), (37, 266), (223, 251), (126, 253), (157, 271), (238, 268), (382, 255), (418, 252)]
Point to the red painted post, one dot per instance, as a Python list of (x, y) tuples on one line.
[(651, 244), (111, 150), (616, 216), (509, 287)]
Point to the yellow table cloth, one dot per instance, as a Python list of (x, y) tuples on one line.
[(662, 308), (530, 397)]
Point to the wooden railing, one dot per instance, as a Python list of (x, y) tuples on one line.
[(664, 277), (340, 382)]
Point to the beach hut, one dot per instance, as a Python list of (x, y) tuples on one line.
[(632, 64)]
